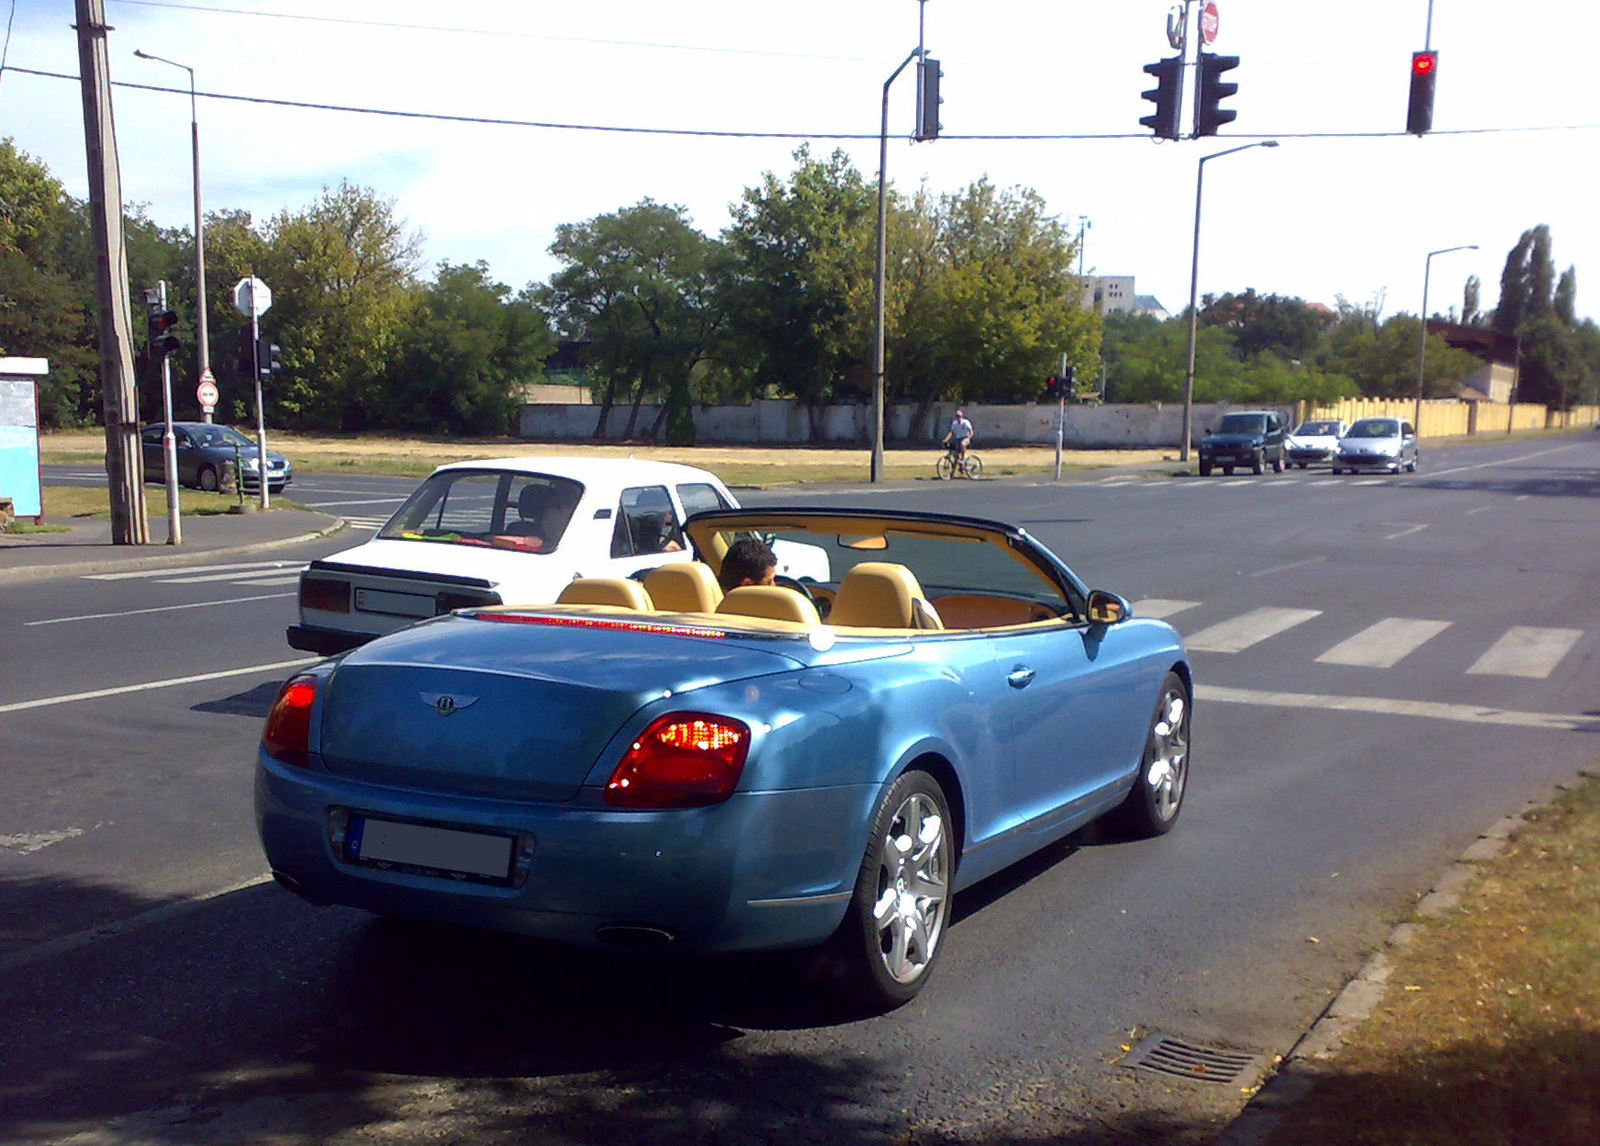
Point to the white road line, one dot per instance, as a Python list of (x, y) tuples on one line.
[(1291, 565), (1405, 531), (1369, 481), (273, 582), (1500, 462), (1465, 713), (1159, 608), (1480, 509), (158, 609), (52, 701), (365, 501), (1251, 628), (1527, 652), (1384, 644), (294, 567), (169, 571)]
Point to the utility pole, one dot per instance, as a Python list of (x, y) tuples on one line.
[(120, 399)]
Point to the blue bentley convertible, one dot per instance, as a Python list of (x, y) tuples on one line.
[(654, 763)]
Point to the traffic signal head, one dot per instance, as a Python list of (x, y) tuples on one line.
[(162, 340), (267, 357), (1166, 95), (246, 362), (1052, 387), (1424, 73), (928, 99), (1211, 90)]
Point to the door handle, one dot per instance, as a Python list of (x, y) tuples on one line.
[(1020, 677)]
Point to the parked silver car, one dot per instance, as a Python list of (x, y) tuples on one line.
[(1388, 444)]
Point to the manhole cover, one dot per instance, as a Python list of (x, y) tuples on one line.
[(1175, 1058)]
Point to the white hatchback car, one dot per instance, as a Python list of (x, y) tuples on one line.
[(509, 531), (1315, 440)]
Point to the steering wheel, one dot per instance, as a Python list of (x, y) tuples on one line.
[(822, 606)]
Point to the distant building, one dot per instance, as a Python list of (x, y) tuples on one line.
[(1495, 380), (1114, 294)]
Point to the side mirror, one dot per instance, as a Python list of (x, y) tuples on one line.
[(1107, 608)]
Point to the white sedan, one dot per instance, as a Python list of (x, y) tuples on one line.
[(509, 531)]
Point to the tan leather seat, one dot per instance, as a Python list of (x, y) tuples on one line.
[(881, 595), (771, 601), (618, 592), (684, 587)]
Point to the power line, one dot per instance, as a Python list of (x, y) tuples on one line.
[(497, 32), (498, 121)]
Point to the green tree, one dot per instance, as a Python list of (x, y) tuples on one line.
[(803, 272), (639, 285), (342, 274), (1381, 358), (1287, 327)]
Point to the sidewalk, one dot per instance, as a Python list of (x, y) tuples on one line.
[(87, 548)]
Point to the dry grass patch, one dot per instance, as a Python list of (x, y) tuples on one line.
[(737, 465), (1489, 1032)]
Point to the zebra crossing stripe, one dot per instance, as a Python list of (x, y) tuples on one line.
[(1251, 628), (1526, 652), (1384, 644), (1159, 609), (155, 574), (1465, 713)]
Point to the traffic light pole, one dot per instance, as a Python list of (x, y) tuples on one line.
[(169, 440), (261, 410), (879, 272)]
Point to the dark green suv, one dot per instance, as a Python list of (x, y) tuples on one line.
[(1250, 439)]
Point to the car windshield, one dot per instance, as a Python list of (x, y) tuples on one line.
[(219, 436), (951, 566), (1318, 430), (1375, 428), (521, 511), (1241, 424)]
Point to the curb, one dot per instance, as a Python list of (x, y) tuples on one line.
[(179, 556), (1304, 1064)]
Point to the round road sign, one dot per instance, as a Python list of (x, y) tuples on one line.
[(207, 393), (1209, 21)]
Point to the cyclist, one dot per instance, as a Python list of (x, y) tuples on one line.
[(958, 437)]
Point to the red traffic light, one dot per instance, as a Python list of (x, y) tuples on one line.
[(1423, 62)]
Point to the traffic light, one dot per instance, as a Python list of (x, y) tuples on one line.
[(1424, 73), (162, 341), (1166, 95), (928, 99), (1210, 91), (267, 357), (1069, 382), (1052, 387)]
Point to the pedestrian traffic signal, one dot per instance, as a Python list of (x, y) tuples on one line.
[(1166, 95), (1210, 91), (163, 342), (267, 357), (928, 100), (1424, 73)]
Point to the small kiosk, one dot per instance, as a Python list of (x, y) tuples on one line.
[(21, 486)]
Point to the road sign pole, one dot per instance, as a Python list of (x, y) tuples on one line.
[(252, 298), (169, 440)]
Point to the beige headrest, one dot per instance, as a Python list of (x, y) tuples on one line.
[(771, 601), (684, 587), (618, 592)]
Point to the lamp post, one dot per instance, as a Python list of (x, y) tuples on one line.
[(1194, 283), (202, 339), (1422, 342)]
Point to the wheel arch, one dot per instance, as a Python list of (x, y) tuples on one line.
[(939, 767)]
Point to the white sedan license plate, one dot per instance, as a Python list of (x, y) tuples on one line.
[(421, 845), (394, 604)]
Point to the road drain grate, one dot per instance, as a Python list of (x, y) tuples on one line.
[(1176, 1059)]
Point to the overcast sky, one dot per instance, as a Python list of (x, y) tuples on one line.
[(1338, 210)]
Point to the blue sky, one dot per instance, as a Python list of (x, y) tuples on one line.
[(1335, 211)]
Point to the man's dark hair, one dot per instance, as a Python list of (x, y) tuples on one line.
[(747, 559)]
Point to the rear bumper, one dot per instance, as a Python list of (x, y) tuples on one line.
[(325, 642)]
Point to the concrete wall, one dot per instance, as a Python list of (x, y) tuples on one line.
[(786, 422)]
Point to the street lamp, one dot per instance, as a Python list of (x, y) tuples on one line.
[(202, 340), (1194, 283), (1422, 342)]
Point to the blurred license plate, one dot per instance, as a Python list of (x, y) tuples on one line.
[(395, 604), (421, 845)]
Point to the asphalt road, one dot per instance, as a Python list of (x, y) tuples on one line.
[(1386, 666)]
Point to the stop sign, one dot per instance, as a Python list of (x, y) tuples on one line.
[(1209, 21)]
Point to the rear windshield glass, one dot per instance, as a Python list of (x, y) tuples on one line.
[(527, 512)]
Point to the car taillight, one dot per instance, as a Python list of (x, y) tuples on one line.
[(683, 760), (324, 594), (287, 736)]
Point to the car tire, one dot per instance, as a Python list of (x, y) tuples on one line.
[(1336, 470), (1303, 465), (1227, 471), (1413, 466), (891, 936), (1257, 463), (1205, 469), (1277, 464), (208, 479), (1152, 807)]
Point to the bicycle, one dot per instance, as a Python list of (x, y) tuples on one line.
[(947, 467)]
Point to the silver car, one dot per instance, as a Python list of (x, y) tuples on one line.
[(1388, 444)]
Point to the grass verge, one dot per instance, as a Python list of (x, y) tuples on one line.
[(1489, 1030), (69, 501)]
